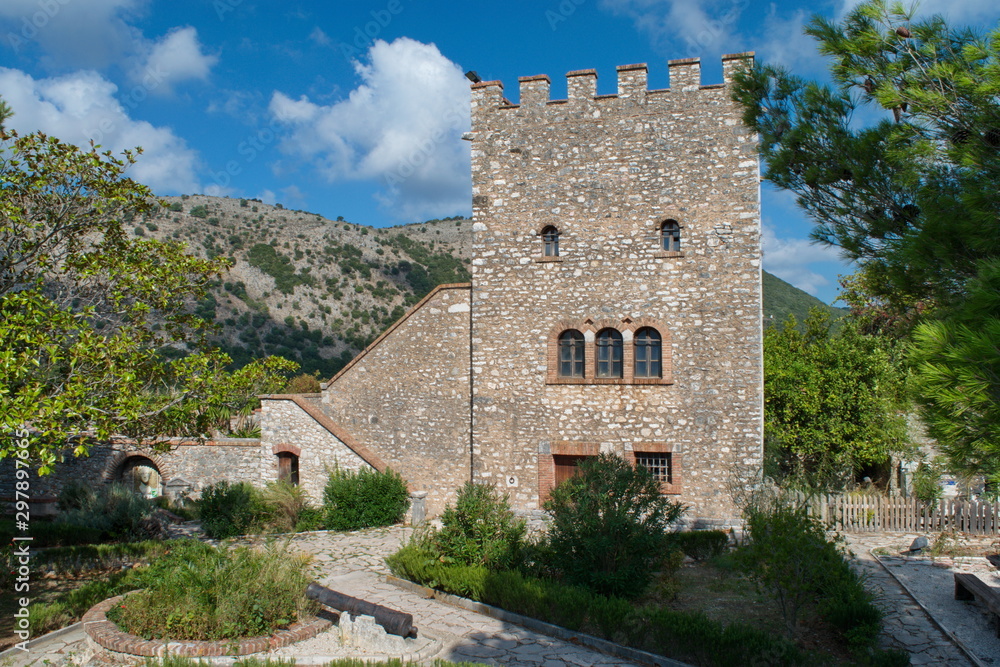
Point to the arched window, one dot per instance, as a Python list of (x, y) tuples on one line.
[(609, 353), (670, 236), (571, 354), (550, 242), (648, 353)]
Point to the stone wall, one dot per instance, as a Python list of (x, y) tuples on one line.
[(607, 171), (406, 397), (199, 464), (297, 425)]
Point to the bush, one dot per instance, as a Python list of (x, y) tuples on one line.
[(701, 544), (481, 529), (790, 557), (114, 513), (364, 499), (227, 510), (284, 502), (200, 592), (609, 526)]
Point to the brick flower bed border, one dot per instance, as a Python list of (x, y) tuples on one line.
[(107, 635)]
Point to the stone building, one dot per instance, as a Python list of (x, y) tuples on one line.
[(615, 306)]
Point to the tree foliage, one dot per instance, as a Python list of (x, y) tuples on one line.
[(833, 403), (98, 334), (911, 197)]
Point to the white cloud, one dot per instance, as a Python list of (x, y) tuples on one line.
[(401, 126), (176, 57), (99, 34), (319, 37), (790, 260), (785, 43), (684, 28), (91, 34), (81, 107)]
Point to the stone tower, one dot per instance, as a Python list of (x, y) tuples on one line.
[(616, 283)]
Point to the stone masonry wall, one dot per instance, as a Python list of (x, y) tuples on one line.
[(200, 464), (606, 171), (406, 397), (286, 426)]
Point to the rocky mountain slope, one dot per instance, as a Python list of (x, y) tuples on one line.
[(318, 291)]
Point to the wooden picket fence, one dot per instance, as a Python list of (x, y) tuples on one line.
[(867, 514)]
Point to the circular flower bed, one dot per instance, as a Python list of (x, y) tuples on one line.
[(108, 636)]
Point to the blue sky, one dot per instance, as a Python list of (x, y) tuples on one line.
[(356, 109)]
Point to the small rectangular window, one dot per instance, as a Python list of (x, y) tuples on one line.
[(659, 464)]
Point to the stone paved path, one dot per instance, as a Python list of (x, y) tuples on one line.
[(354, 564), (906, 625)]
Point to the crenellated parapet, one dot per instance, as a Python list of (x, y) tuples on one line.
[(581, 85)]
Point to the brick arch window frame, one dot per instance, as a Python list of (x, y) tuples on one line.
[(670, 237), (590, 327), (666, 352), (609, 354), (118, 461)]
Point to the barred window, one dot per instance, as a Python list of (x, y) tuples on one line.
[(670, 235), (571, 354), (609, 353), (550, 242), (658, 464), (648, 353)]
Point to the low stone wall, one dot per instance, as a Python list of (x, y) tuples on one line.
[(194, 464)]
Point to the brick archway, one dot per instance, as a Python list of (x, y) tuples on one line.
[(117, 462)]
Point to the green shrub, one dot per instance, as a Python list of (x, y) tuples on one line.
[(113, 513), (364, 499), (418, 561), (200, 211), (201, 592), (481, 529), (284, 504), (609, 526), (701, 544), (788, 555), (227, 510), (311, 518)]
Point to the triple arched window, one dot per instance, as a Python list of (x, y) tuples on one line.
[(608, 356)]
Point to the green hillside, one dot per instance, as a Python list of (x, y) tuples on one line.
[(317, 291), (782, 299)]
